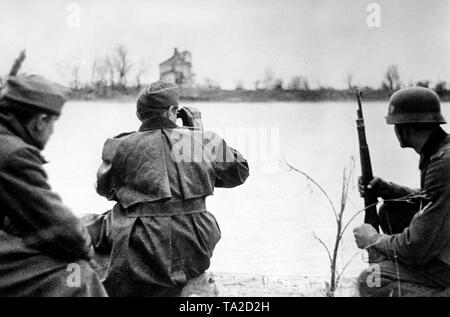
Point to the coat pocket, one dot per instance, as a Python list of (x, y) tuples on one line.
[(208, 230)]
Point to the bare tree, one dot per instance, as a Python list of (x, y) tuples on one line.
[(111, 70), (440, 87), (69, 69), (93, 70), (99, 74), (210, 83), (298, 83), (278, 84), (304, 84), (349, 80), (121, 64), (142, 68), (294, 84), (268, 79), (239, 85), (392, 79), (75, 82), (99, 70)]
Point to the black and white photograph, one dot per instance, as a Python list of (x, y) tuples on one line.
[(232, 149)]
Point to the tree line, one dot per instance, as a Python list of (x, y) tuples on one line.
[(391, 83), (116, 74)]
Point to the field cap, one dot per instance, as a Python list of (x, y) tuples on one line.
[(159, 95), (36, 92)]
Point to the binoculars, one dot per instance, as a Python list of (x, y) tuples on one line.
[(183, 115)]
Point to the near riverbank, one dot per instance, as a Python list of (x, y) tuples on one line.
[(248, 285)]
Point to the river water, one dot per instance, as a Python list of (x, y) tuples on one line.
[(269, 223)]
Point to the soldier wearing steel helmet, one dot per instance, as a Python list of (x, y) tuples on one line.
[(414, 247)]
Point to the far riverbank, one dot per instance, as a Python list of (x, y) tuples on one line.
[(244, 96)]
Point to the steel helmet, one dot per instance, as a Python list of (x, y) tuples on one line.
[(414, 105)]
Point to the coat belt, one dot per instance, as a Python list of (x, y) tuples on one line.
[(167, 208)]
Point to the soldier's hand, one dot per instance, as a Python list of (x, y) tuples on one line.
[(377, 186), (365, 235), (191, 117)]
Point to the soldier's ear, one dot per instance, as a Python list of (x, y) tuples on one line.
[(173, 111), (35, 123), (41, 121)]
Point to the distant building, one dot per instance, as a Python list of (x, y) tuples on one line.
[(178, 69)]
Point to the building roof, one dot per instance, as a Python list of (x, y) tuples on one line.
[(178, 56)]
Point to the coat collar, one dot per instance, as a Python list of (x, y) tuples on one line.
[(431, 146), (157, 123), (10, 125)]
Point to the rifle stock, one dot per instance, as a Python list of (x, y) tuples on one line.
[(370, 200)]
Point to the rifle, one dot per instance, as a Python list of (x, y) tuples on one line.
[(370, 200), (17, 64)]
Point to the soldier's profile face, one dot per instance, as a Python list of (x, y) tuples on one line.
[(43, 129), (399, 132)]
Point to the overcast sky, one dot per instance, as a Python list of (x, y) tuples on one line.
[(233, 40)]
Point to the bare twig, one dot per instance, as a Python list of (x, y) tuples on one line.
[(353, 217), (325, 246), (406, 198), (332, 257), (346, 179), (317, 185), (341, 273)]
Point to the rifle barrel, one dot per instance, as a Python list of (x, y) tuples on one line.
[(370, 200), (17, 64)]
